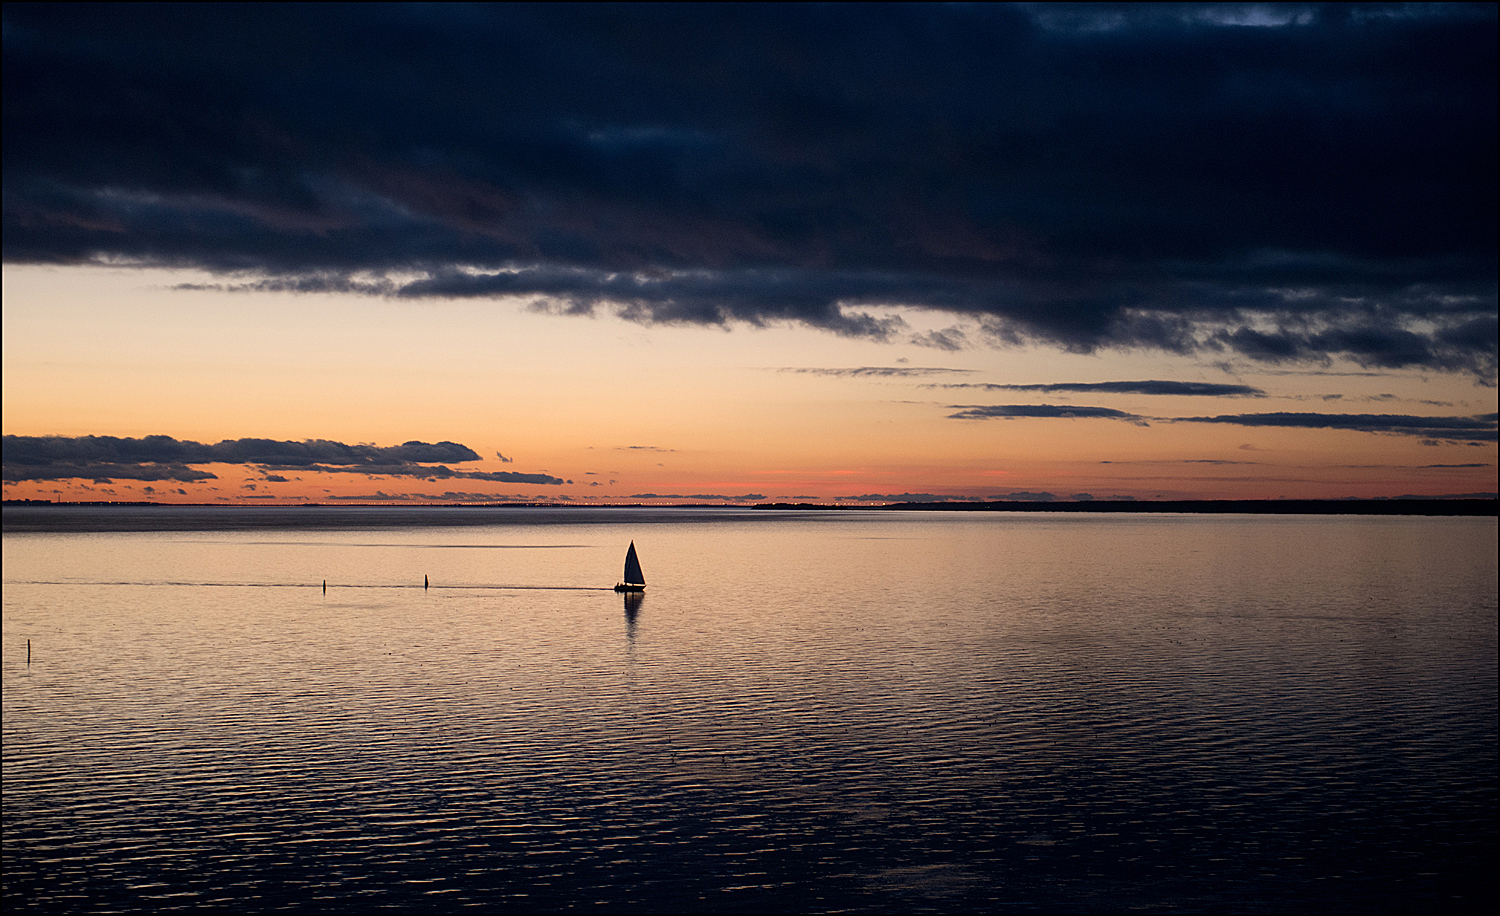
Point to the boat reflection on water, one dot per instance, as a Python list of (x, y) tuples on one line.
[(633, 602)]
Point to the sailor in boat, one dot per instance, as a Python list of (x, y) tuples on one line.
[(635, 580)]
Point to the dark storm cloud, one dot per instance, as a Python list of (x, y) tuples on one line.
[(1035, 411), (1479, 428), (1285, 183), (1200, 389), (1452, 346), (166, 458)]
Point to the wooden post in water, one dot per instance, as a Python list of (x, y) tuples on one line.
[(325, 586), (28, 653), (424, 583)]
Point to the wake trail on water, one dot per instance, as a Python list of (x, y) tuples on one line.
[(319, 585)]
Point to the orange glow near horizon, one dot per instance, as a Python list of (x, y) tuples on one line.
[(621, 410)]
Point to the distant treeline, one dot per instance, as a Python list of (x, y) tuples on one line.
[(1221, 506)]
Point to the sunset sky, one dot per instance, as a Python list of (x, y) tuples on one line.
[(726, 253)]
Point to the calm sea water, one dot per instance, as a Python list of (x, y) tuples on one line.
[(819, 711)]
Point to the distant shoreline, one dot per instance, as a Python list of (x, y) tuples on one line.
[(1200, 506), (1400, 506)]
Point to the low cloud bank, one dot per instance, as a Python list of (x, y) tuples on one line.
[(166, 458)]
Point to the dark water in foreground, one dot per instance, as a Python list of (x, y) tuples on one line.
[(825, 711)]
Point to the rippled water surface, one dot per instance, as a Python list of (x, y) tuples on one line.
[(867, 711)]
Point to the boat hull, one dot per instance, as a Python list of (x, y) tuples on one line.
[(626, 587)]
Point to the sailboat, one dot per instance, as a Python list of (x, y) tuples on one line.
[(635, 580)]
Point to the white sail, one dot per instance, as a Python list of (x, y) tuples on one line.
[(633, 574)]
